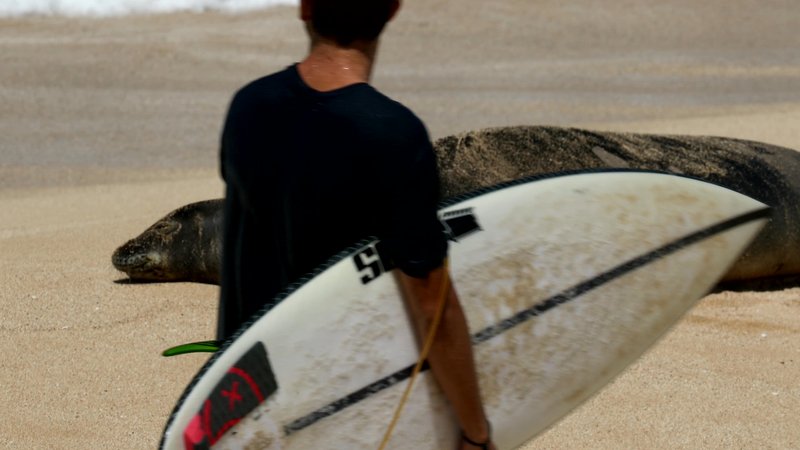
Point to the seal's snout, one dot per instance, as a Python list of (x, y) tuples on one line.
[(141, 258), (126, 258), (134, 259)]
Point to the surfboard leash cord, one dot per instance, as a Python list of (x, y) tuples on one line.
[(423, 355)]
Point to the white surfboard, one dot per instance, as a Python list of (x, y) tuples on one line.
[(565, 280)]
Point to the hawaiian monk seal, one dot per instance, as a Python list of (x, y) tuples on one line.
[(476, 159), (185, 245)]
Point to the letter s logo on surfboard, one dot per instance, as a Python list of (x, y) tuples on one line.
[(369, 263)]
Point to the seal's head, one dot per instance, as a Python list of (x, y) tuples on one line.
[(182, 246)]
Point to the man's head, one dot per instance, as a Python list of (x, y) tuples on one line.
[(348, 21)]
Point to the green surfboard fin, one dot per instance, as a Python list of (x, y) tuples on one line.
[(193, 347)]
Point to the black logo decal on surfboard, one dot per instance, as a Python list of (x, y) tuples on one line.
[(371, 262), (245, 386)]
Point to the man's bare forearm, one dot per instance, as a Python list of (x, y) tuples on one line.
[(450, 356)]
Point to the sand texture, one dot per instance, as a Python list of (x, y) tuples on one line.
[(108, 124)]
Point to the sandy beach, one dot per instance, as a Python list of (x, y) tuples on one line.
[(108, 124)]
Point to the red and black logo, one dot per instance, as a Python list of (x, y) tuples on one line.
[(245, 386)]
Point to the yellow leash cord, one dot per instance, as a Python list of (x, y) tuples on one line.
[(426, 348)]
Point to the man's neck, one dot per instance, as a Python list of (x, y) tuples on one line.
[(329, 66)]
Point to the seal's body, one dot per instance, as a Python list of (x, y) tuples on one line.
[(477, 159)]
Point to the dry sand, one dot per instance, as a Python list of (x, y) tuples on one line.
[(106, 125)]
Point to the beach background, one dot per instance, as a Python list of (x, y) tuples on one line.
[(110, 115)]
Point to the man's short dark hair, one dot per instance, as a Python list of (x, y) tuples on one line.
[(347, 21)]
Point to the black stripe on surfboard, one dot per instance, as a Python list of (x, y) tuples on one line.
[(536, 310), (617, 272)]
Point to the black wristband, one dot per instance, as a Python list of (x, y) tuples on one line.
[(482, 446)]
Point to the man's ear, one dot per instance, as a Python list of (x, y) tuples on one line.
[(305, 9)]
